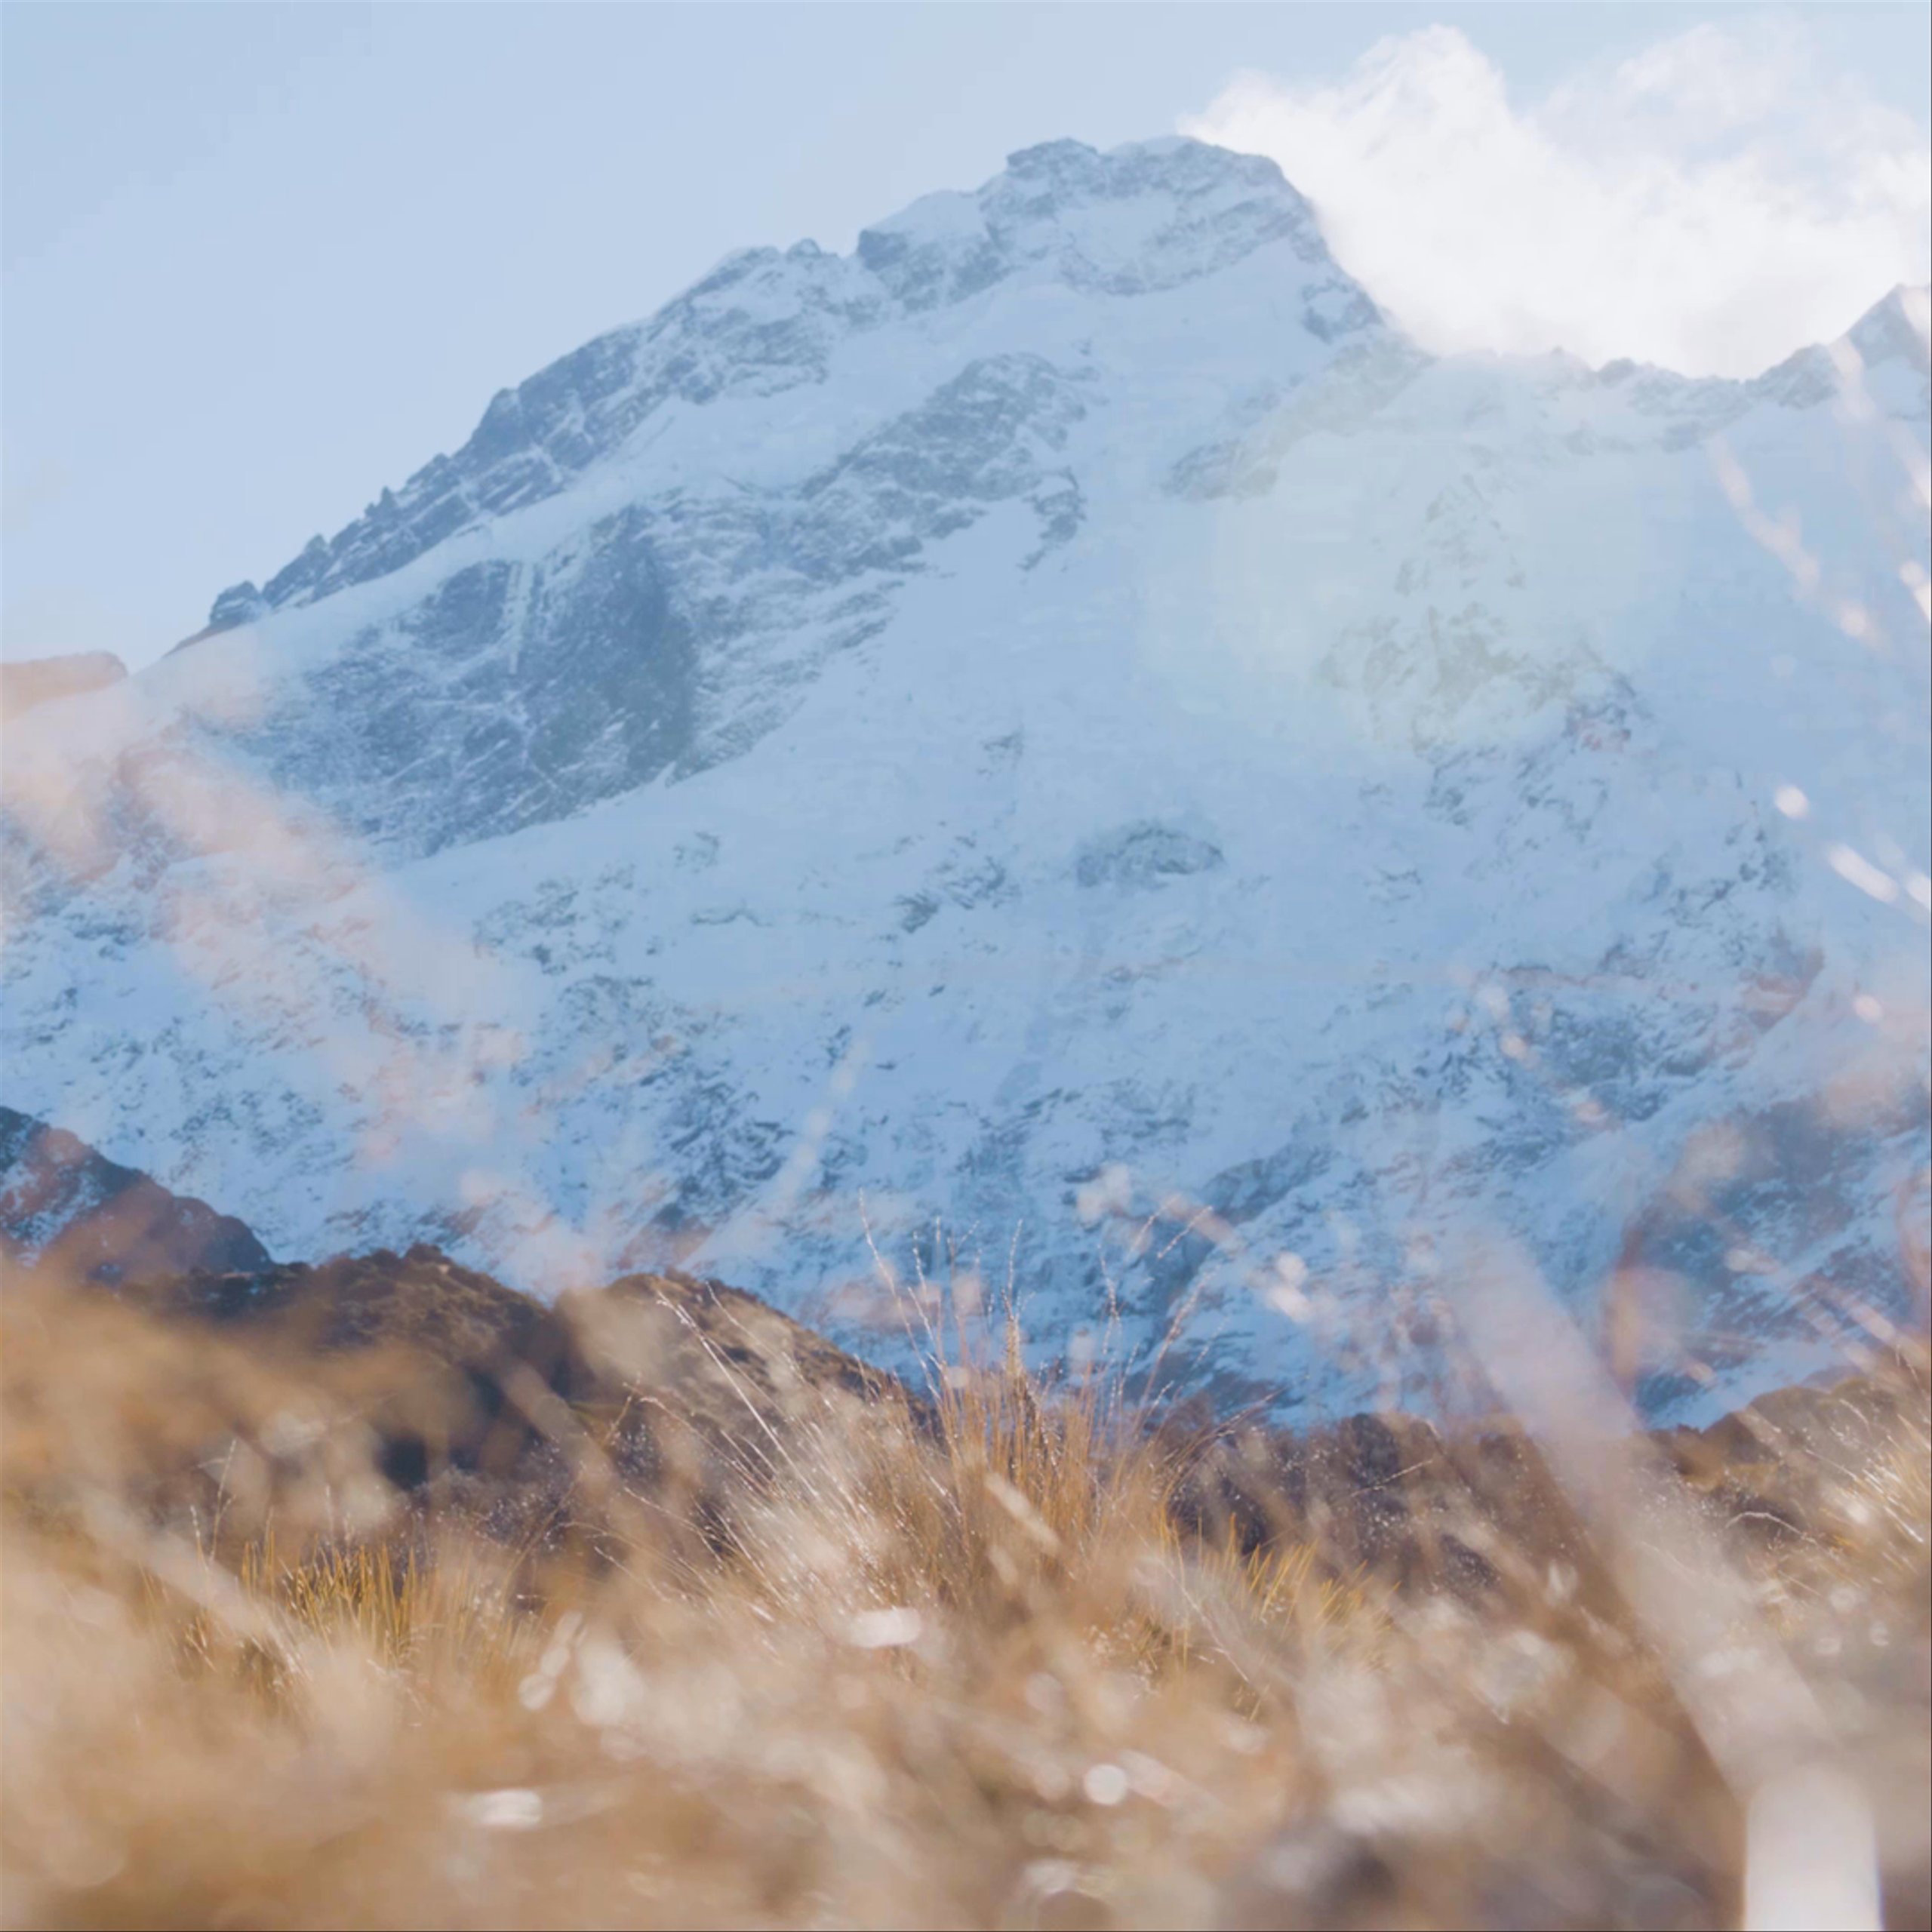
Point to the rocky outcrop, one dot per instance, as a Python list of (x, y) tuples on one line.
[(494, 1402), (33, 681), (70, 1212)]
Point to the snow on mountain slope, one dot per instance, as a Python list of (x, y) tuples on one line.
[(1061, 744)]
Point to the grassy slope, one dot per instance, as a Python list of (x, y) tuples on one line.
[(684, 1620)]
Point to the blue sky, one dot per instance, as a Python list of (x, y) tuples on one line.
[(261, 259)]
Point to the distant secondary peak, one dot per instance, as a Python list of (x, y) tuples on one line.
[(1896, 329)]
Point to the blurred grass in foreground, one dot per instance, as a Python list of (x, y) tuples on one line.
[(1014, 1656)]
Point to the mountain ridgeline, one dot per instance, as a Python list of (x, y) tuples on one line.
[(1059, 753)]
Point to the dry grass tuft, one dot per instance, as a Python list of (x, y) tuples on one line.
[(1011, 1658)]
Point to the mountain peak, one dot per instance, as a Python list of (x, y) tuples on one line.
[(1135, 220), (1147, 216), (1177, 161)]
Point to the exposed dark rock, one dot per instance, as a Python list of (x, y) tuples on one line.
[(74, 1212), (525, 1417)]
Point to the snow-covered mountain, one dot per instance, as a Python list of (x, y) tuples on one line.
[(1062, 744)]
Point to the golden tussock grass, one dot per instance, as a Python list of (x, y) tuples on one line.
[(1016, 1659)]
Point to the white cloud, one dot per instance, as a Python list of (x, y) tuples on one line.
[(1710, 204)]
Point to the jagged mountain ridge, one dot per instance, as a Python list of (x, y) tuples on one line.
[(1062, 721), (807, 532)]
